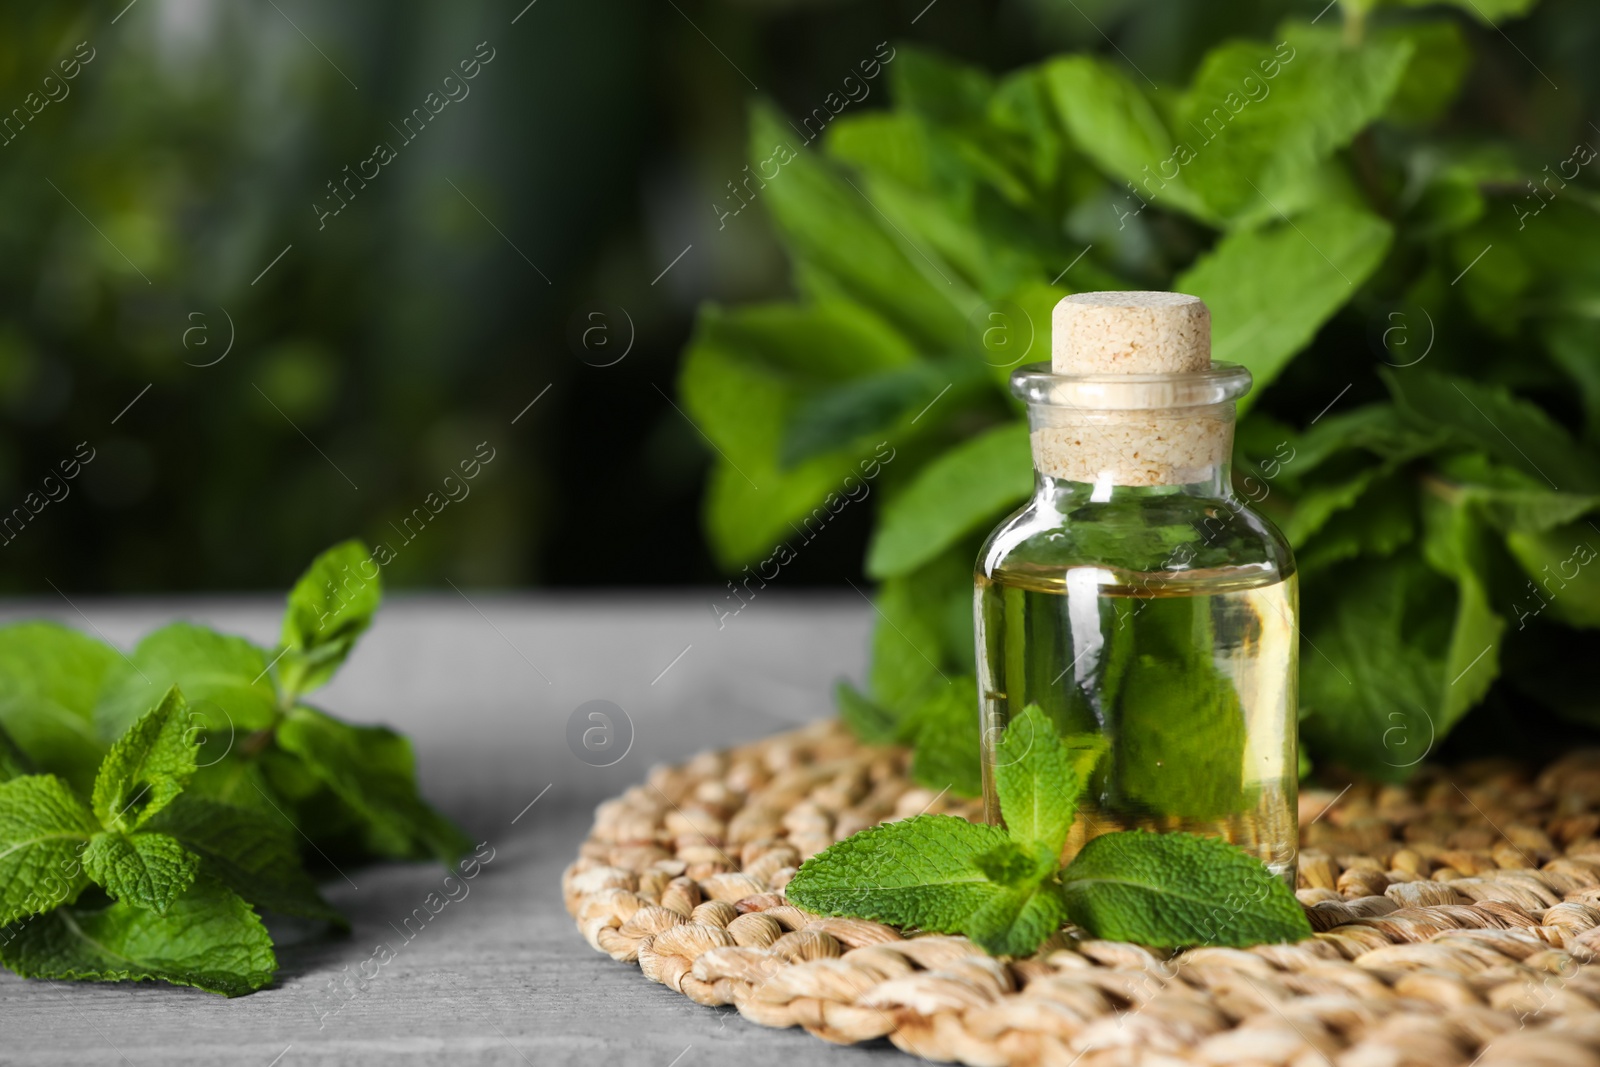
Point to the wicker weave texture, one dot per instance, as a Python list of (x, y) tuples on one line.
[(1458, 922)]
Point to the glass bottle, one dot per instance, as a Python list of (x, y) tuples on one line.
[(1136, 597)]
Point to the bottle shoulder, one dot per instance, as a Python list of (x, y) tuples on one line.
[(1157, 535)]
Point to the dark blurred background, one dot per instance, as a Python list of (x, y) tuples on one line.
[(577, 178)]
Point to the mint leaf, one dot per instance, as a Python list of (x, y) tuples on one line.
[(147, 870), (746, 375), (209, 938), (1486, 11), (1259, 119), (1373, 666), (1084, 752), (249, 853), (14, 763), (1385, 520), (937, 86), (949, 498), (836, 234), (372, 769), (1271, 289), (892, 144), (1037, 781), (945, 725), (924, 628), (224, 678), (1570, 343), (1456, 543), (873, 723), (148, 766), (907, 642), (43, 827), (329, 608), (1491, 419), (938, 873), (870, 408), (1440, 59), (1016, 922), (1560, 558), (924, 872), (1173, 890), (1114, 124), (50, 678)]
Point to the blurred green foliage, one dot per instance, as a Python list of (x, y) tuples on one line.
[(145, 207), (1390, 209)]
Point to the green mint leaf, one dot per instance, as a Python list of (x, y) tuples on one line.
[(249, 852), (959, 492), (1486, 11), (862, 411), (224, 678), (148, 766), (926, 872), (50, 678), (1270, 289), (1017, 921), (146, 870), (937, 86), (870, 721), (1456, 543), (1173, 890), (1440, 60), (372, 769), (209, 938), (1018, 865), (1260, 118), (1477, 415), (947, 737), (908, 641), (938, 873), (745, 375), (1374, 698), (836, 234), (14, 763), (1036, 780), (1117, 127), (1384, 521), (43, 828), (1561, 552), (1084, 751), (329, 608), (890, 144)]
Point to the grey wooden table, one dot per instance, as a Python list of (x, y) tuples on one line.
[(485, 688)]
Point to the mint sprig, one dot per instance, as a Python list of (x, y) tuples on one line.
[(150, 803), (1006, 888)]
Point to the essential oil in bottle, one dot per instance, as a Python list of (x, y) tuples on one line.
[(1135, 597)]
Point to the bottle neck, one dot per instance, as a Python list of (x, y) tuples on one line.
[(1114, 449), (1214, 483)]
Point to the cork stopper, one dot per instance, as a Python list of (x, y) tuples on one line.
[(1130, 333), (1138, 433)]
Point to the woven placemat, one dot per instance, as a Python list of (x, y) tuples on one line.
[(1457, 923)]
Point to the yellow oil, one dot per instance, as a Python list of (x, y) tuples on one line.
[(1190, 679)]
